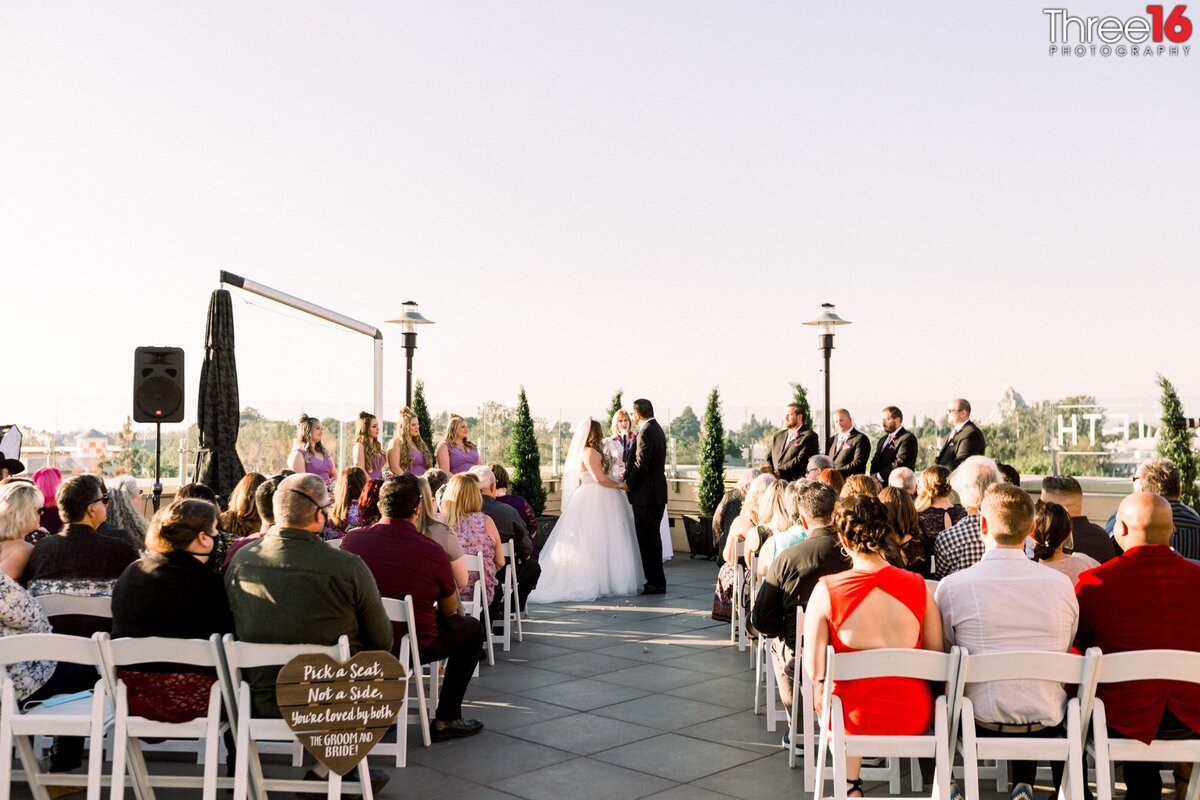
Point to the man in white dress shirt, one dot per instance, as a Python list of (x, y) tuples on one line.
[(1006, 603)]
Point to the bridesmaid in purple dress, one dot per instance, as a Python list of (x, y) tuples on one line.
[(407, 452), (462, 512), (310, 455), (367, 452), (457, 453)]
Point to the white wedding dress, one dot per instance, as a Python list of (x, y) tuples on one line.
[(593, 550)]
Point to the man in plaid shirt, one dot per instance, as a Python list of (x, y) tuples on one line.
[(961, 545)]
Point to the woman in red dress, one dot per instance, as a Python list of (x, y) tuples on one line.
[(872, 605)]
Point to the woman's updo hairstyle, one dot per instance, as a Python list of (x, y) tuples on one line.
[(178, 525), (862, 521), (1051, 527)]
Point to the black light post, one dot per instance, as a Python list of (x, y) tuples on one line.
[(826, 321), (410, 318)]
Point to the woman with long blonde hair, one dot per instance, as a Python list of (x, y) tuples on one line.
[(457, 453), (367, 452), (407, 452), (935, 510), (462, 512), (309, 453)]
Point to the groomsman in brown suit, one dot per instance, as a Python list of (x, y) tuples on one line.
[(848, 447), (791, 447), (965, 438)]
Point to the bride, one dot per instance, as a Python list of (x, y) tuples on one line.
[(593, 549)]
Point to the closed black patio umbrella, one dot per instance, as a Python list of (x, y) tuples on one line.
[(219, 410)]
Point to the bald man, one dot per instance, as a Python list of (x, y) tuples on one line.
[(1145, 599)]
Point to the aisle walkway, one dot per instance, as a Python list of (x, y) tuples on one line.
[(631, 698)]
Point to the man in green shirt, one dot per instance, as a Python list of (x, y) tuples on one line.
[(289, 587)]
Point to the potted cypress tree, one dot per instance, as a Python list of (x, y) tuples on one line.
[(1175, 442), (712, 474), (424, 424), (525, 458)]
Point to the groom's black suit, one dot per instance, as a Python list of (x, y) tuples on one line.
[(646, 477)]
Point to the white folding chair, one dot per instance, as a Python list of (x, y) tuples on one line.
[(737, 615), (511, 617), (1062, 668), (478, 607), (1137, 665), (764, 674), (402, 611), (895, 663), (336, 544), (803, 729), (250, 730), (207, 729), (85, 716)]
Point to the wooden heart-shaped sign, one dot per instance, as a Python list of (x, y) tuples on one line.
[(340, 711)]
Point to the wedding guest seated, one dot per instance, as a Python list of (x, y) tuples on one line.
[(289, 587), (429, 525), (904, 479), (908, 545), (773, 517), (1006, 603), (961, 545), (832, 477), (242, 517), (79, 561), (860, 484), (21, 613), (791, 535), (404, 562), (1161, 477), (728, 509), (520, 504), (462, 512), (745, 522), (874, 605), (124, 518), (1051, 532), (172, 592), (264, 499), (1009, 473), (437, 480), (20, 513), (512, 528), (225, 539), (1145, 599), (793, 574), (816, 465), (1086, 537), (47, 480), (368, 502), (345, 513), (935, 511)]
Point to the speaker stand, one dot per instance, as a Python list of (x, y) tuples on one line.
[(156, 495)]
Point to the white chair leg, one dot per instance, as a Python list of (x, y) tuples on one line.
[(120, 748), (96, 750)]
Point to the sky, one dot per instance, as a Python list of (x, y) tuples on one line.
[(592, 195)]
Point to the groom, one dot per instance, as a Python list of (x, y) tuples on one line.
[(646, 478)]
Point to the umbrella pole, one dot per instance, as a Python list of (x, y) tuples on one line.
[(157, 492)]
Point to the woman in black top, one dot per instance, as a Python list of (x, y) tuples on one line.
[(172, 592)]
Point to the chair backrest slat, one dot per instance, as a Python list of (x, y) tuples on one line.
[(1022, 665), (1138, 665), (193, 652), (473, 562), (48, 647), (245, 655), (890, 663), (56, 605)]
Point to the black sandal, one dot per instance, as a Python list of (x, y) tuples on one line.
[(854, 786)]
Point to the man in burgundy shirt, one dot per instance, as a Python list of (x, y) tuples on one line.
[(1148, 598), (405, 562)]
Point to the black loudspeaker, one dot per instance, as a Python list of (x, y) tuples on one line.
[(158, 384)]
